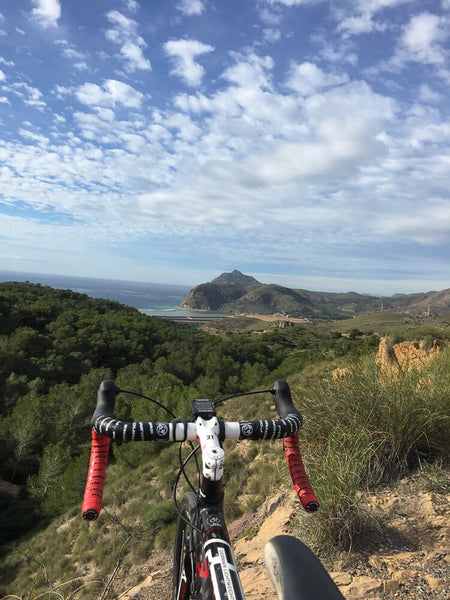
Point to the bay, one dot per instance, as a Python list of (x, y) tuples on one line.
[(157, 299), (153, 299)]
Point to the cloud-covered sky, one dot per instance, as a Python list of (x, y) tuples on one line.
[(305, 142)]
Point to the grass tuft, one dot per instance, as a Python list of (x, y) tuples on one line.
[(366, 429)]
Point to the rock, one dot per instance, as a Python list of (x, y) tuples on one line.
[(136, 593), (434, 582), (404, 356), (391, 586), (341, 578), (364, 587), (386, 359), (403, 575)]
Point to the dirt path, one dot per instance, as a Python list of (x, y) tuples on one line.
[(409, 559), (249, 550)]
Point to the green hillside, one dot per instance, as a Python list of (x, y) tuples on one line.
[(55, 348)]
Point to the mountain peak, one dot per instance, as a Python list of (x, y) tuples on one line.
[(235, 277)]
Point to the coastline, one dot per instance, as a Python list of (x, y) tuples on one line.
[(183, 314), (198, 316), (274, 318)]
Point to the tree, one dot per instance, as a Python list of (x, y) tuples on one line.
[(55, 459)]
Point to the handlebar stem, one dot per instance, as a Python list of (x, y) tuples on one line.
[(213, 455)]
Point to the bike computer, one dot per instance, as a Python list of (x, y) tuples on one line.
[(203, 407)]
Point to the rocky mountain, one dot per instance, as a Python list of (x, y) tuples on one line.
[(236, 293), (236, 277)]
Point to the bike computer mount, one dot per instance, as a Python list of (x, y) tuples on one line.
[(203, 407)]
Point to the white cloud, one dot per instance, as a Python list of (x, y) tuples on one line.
[(40, 140), (191, 7), (47, 12), (427, 225), (30, 95), (337, 51), (362, 23), (93, 95), (112, 92), (307, 78), (422, 41), (250, 71), (68, 51), (292, 2), (132, 53), (2, 76), (422, 38), (132, 5), (183, 53), (81, 66), (270, 17), (132, 46), (7, 63), (123, 25), (427, 94), (266, 150), (271, 35), (123, 93), (362, 19)]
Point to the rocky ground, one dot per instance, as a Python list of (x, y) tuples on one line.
[(409, 557)]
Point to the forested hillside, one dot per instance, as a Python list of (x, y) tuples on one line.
[(56, 346)]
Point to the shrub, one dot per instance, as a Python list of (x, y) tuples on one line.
[(161, 514)]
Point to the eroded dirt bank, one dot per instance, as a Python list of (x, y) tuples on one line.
[(409, 558)]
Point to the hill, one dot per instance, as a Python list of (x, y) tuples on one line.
[(236, 293)]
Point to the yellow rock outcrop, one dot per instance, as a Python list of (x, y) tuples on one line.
[(405, 356)]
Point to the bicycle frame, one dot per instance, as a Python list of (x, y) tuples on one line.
[(212, 563)]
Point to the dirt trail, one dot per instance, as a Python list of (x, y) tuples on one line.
[(249, 551), (409, 559)]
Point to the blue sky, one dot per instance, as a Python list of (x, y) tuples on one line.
[(304, 142)]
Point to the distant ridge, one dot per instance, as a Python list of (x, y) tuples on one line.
[(236, 293)]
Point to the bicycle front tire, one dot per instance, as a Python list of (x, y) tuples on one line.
[(183, 556)]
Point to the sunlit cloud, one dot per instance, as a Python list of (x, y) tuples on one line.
[(46, 12), (191, 7), (123, 32), (112, 92), (422, 38), (183, 53)]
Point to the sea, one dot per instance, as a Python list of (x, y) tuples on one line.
[(154, 299)]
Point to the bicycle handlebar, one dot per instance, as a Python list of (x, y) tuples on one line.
[(93, 494), (104, 427)]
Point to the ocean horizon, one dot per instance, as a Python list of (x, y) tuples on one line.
[(153, 299)]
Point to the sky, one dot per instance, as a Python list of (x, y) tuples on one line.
[(304, 142)]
